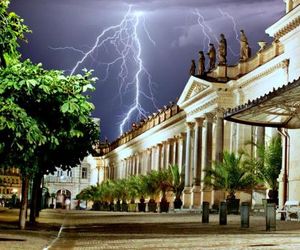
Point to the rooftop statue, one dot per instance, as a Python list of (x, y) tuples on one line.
[(245, 51), (222, 50), (212, 56), (193, 68), (201, 63)]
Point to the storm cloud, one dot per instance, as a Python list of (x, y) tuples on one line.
[(171, 24)]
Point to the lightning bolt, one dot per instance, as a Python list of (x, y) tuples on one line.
[(127, 52), (208, 31), (234, 27)]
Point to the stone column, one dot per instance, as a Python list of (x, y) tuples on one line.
[(219, 136), (188, 167), (149, 160), (158, 156), (197, 163), (175, 151), (181, 152), (152, 166), (169, 152), (163, 155), (137, 157), (207, 155)]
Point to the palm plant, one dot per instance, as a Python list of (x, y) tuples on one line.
[(268, 164), (177, 185), (230, 175)]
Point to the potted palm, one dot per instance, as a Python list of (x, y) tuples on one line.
[(268, 165), (135, 188), (165, 184), (230, 175), (177, 185), (152, 188)]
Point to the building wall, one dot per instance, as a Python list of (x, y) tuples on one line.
[(199, 134)]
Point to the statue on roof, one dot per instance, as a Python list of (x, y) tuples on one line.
[(193, 68), (222, 50), (245, 51), (201, 63), (212, 56)]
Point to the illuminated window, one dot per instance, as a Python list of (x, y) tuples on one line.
[(84, 173)]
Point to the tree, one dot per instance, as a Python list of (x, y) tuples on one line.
[(268, 164), (44, 116), (230, 175)]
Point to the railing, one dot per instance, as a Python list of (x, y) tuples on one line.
[(61, 179)]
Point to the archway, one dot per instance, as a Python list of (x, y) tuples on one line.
[(63, 198)]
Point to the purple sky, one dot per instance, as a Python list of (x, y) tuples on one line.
[(173, 26)]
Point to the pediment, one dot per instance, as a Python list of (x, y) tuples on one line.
[(194, 87)]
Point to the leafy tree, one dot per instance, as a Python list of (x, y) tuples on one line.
[(44, 116), (230, 175), (12, 31)]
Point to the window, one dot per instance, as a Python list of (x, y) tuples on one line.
[(84, 173), (69, 173)]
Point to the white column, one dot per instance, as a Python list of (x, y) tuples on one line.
[(175, 151), (197, 163), (158, 156), (181, 152), (188, 189), (153, 163), (148, 160), (207, 156), (219, 136)]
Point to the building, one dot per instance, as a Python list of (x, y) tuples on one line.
[(65, 185), (193, 132), (10, 184)]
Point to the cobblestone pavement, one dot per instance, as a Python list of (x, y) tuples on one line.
[(113, 230)]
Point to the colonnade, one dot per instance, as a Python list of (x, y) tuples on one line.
[(194, 150)]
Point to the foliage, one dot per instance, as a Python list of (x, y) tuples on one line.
[(269, 162), (230, 175), (177, 184), (44, 117), (12, 30)]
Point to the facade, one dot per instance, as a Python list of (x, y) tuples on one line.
[(10, 184), (65, 185), (193, 132)]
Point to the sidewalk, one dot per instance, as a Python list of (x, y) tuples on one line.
[(117, 230)]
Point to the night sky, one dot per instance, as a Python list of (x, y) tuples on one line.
[(175, 39)]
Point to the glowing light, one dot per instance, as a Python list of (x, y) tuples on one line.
[(128, 51)]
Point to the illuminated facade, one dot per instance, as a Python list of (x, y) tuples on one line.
[(193, 132), (10, 183)]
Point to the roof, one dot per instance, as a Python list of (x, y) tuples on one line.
[(278, 108)]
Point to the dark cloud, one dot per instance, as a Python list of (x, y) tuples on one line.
[(170, 23)]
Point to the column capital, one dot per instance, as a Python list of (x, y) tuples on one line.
[(209, 117), (219, 112), (171, 140), (159, 145), (190, 125), (182, 135), (199, 121)]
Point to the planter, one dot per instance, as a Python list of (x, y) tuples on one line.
[(111, 206), (164, 207), (233, 206), (152, 206), (124, 207), (132, 207), (142, 207), (118, 206), (177, 203)]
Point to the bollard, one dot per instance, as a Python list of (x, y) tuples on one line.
[(271, 217), (205, 212), (223, 213), (245, 210)]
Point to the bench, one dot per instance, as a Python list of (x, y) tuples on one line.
[(290, 210)]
